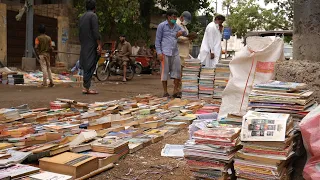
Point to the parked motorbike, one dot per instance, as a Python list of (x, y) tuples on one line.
[(110, 67)]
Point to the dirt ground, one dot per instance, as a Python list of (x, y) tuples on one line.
[(146, 164)]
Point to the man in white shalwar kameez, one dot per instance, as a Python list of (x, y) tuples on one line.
[(210, 50)]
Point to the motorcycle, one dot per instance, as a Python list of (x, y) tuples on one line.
[(111, 67)]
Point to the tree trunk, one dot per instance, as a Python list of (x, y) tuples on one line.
[(306, 30)]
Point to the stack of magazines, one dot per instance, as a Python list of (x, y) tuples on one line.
[(282, 97), (267, 140), (190, 77), (222, 73), (206, 83), (210, 154)]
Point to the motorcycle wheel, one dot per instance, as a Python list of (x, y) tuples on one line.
[(130, 73), (138, 69), (103, 73)]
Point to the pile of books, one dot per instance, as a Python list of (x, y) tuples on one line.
[(282, 97), (222, 73), (9, 115), (14, 79), (206, 83), (232, 119), (210, 154), (267, 140), (190, 77)]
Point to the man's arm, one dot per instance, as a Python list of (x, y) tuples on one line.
[(36, 45), (95, 30), (159, 39)]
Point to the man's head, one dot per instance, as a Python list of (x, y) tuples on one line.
[(172, 16), (219, 20), (42, 29), (185, 17), (122, 38), (91, 5)]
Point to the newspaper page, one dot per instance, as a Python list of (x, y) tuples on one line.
[(257, 126)]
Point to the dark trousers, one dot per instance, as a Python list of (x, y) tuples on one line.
[(88, 73)]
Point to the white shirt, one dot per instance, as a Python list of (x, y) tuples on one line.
[(211, 42), (183, 42), (135, 50)]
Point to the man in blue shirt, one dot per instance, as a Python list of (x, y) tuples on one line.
[(168, 53)]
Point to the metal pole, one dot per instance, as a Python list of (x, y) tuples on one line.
[(29, 30), (217, 6)]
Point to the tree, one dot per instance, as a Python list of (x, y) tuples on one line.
[(193, 6), (117, 17), (247, 15), (285, 6)]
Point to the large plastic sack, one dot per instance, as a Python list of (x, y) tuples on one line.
[(254, 64), (310, 130)]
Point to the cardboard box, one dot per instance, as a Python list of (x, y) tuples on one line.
[(75, 165)]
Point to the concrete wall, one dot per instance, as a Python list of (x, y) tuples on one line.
[(306, 30), (3, 34), (64, 44), (300, 71), (47, 10)]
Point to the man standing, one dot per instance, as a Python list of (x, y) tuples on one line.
[(43, 48), (210, 50), (90, 44), (167, 36), (135, 49), (124, 55), (183, 42)]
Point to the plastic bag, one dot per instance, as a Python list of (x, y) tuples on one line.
[(254, 64), (310, 130)]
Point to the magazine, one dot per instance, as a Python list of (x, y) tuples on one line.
[(258, 126)]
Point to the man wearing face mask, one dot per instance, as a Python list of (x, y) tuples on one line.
[(166, 44), (90, 44), (210, 50), (183, 42)]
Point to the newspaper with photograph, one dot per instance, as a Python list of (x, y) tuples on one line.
[(257, 126)]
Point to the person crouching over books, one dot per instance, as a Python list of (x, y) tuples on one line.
[(43, 48)]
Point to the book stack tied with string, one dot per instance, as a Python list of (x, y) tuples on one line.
[(206, 83), (222, 73), (210, 153), (282, 97), (190, 77), (268, 146)]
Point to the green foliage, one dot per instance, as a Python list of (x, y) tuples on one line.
[(117, 17), (247, 15), (283, 5), (132, 17)]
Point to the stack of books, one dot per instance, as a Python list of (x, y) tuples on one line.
[(267, 140), (206, 83), (111, 146), (222, 73), (232, 119), (190, 77), (14, 79), (282, 97), (210, 154), (9, 115)]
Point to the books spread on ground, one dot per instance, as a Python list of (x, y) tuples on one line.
[(210, 154), (267, 140), (190, 77)]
